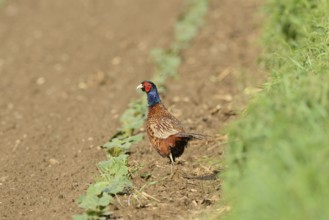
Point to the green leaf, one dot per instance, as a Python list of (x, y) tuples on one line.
[(115, 166), (118, 185), (136, 138), (89, 202), (105, 200), (115, 151), (97, 188), (118, 145), (133, 118), (80, 199)]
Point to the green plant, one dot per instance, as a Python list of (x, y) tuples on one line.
[(277, 156)]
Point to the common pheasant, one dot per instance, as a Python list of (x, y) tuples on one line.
[(165, 132)]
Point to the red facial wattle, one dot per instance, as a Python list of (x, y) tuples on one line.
[(147, 86)]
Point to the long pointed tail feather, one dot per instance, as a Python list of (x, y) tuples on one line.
[(191, 136)]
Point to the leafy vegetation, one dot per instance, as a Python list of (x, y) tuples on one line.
[(114, 176), (278, 154)]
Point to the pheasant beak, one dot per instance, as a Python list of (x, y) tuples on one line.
[(140, 86)]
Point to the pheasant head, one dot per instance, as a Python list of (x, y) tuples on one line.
[(151, 91)]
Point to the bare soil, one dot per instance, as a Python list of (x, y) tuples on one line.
[(69, 69)]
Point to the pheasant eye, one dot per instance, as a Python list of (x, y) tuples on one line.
[(147, 86)]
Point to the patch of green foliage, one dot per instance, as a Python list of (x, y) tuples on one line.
[(278, 153), (168, 60), (114, 175), (114, 178)]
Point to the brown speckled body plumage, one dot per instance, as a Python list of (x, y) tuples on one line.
[(162, 129), (165, 132)]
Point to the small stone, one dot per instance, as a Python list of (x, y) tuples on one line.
[(53, 161), (215, 110), (142, 46), (223, 74), (4, 178), (186, 99), (10, 106), (116, 61), (251, 90), (227, 97), (176, 99), (82, 85), (11, 10), (194, 203)]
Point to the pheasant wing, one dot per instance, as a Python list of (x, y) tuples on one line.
[(165, 126)]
